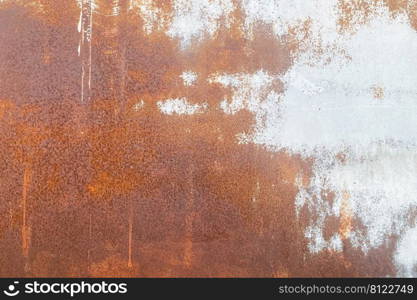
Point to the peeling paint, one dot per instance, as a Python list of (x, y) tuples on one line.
[(208, 138), (180, 107)]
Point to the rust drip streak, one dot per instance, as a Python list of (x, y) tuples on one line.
[(85, 52), (25, 228), (130, 230)]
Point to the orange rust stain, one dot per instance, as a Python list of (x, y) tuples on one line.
[(345, 217), (412, 13), (355, 12)]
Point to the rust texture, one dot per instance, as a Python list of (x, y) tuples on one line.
[(91, 186)]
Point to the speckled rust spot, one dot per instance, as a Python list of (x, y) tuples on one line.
[(357, 12), (92, 186), (354, 12), (378, 92)]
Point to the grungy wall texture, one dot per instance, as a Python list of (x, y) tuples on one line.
[(208, 138)]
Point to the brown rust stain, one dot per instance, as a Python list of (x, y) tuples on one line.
[(98, 188), (357, 12), (346, 216)]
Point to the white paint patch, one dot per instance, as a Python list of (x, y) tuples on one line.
[(334, 103), (253, 92), (380, 185), (189, 77), (154, 18), (180, 106), (249, 91), (315, 234), (194, 19), (406, 254), (284, 15), (329, 107)]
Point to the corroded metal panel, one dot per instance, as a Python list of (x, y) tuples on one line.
[(222, 138)]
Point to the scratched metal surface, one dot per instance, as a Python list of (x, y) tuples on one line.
[(208, 138)]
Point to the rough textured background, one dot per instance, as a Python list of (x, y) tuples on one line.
[(208, 138)]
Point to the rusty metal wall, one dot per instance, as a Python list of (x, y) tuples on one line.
[(231, 138)]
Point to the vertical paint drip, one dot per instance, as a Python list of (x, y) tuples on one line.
[(25, 228), (112, 15), (345, 216), (85, 27)]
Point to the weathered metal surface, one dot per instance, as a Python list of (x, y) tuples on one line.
[(207, 138)]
